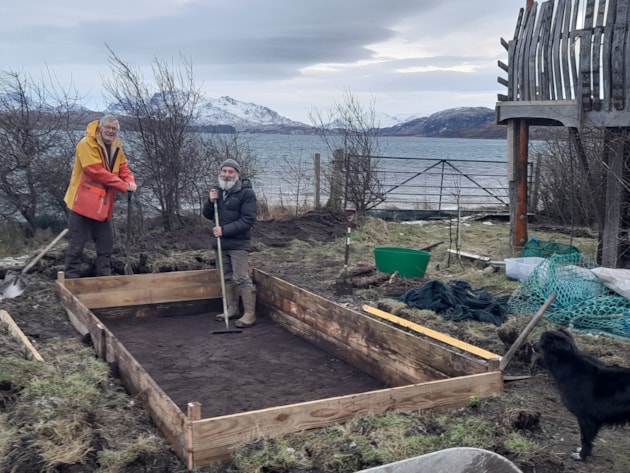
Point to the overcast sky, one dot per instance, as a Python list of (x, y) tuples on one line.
[(408, 57)]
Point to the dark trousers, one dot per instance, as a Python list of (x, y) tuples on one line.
[(81, 229)]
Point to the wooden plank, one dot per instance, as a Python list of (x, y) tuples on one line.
[(513, 77), (525, 56), (442, 337), (137, 289), (607, 55), (167, 416), (535, 67), (213, 437), (573, 34), (544, 54), (618, 55), (586, 58), (372, 346), (464, 254), (390, 370), (16, 332), (597, 54), (556, 57), (80, 286), (150, 295), (167, 309), (548, 113), (564, 54)]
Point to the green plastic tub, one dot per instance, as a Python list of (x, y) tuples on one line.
[(408, 262)]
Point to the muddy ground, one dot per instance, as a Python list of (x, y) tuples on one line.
[(530, 405)]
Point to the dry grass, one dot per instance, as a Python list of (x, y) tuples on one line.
[(47, 406)]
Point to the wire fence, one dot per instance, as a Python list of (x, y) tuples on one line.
[(405, 183)]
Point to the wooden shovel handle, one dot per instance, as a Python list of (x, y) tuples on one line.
[(44, 251)]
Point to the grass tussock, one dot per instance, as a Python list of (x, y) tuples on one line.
[(67, 411), (374, 440)]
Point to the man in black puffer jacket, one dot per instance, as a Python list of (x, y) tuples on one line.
[(237, 210)]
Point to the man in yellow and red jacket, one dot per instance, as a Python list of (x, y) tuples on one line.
[(100, 170)]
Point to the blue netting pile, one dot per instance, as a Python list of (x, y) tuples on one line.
[(582, 301)]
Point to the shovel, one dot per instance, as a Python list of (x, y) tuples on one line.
[(128, 268), (13, 284), (343, 286)]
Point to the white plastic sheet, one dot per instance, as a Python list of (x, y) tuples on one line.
[(617, 280)]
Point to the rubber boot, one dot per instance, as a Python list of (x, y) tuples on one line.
[(232, 301), (248, 294)]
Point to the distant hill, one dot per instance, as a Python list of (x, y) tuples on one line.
[(226, 114), (461, 122)]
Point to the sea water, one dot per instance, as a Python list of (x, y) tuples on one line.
[(414, 172)]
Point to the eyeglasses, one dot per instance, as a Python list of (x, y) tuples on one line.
[(110, 128)]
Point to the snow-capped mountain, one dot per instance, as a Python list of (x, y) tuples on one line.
[(228, 111), (252, 118)]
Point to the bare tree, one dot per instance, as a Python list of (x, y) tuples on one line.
[(572, 177), (163, 118), (37, 140), (214, 148), (351, 131)]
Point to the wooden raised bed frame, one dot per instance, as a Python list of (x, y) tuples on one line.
[(425, 374)]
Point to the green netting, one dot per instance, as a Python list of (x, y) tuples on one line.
[(545, 249), (582, 301)]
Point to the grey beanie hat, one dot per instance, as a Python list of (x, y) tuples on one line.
[(231, 163)]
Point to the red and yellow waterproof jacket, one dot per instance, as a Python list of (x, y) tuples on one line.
[(92, 171)]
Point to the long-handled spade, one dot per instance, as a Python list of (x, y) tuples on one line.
[(222, 276), (14, 284), (343, 286), (128, 268)]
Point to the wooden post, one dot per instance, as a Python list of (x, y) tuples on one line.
[(518, 143), (336, 182), (194, 413), (318, 180), (520, 214)]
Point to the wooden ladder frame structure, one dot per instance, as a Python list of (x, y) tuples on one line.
[(569, 65)]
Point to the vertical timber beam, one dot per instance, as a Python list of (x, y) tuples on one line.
[(520, 233), (518, 144)]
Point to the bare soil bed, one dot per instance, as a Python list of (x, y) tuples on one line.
[(228, 373), (293, 250)]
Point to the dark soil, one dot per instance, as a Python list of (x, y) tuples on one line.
[(263, 366), (235, 369)]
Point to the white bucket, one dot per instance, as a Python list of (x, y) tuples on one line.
[(520, 268)]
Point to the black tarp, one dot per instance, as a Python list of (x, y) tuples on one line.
[(457, 300)]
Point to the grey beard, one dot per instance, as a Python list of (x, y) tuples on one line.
[(226, 185)]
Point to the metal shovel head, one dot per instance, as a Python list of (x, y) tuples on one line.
[(13, 285), (343, 287)]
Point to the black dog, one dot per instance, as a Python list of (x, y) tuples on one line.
[(596, 393)]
